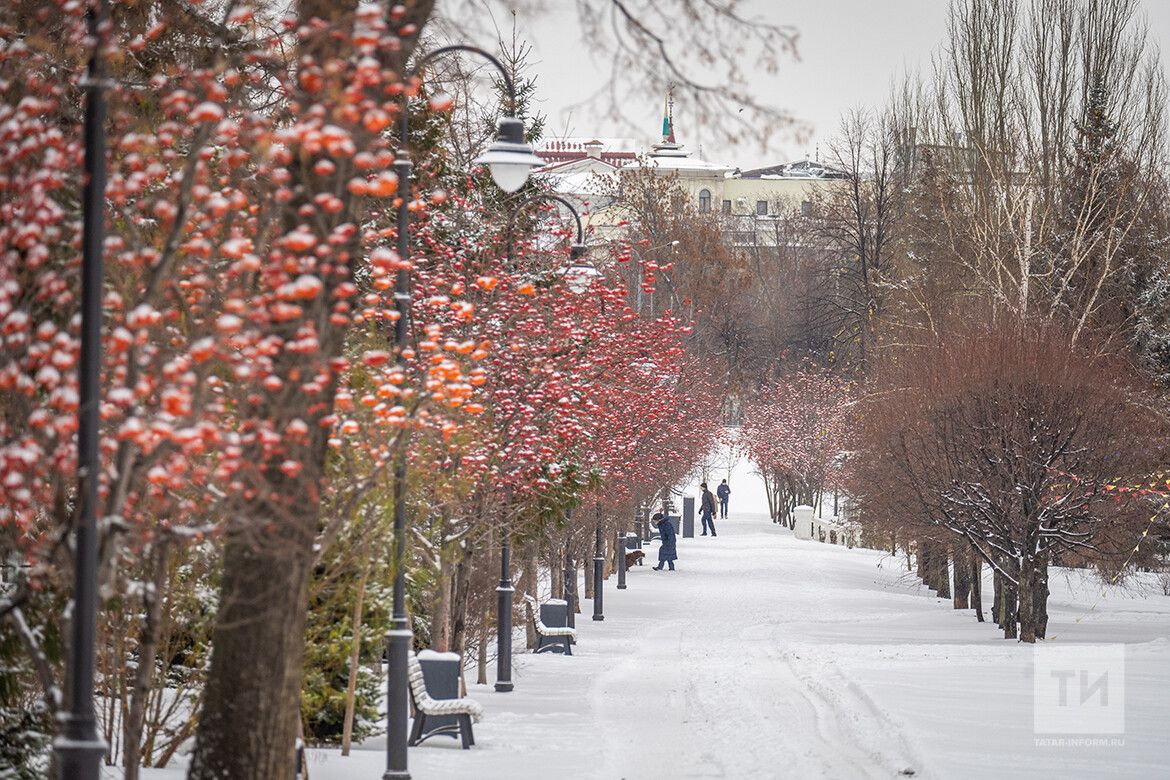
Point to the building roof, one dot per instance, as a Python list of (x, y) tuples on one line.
[(670, 156), (615, 151), (799, 169)]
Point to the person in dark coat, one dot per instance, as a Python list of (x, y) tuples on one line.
[(667, 553), (723, 492), (707, 510)]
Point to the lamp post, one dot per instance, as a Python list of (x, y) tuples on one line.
[(79, 748), (504, 598), (598, 567), (505, 592), (510, 160), (620, 557), (576, 251)]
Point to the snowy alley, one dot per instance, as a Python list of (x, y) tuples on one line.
[(768, 657)]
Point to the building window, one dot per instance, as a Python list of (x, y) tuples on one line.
[(762, 208), (806, 208), (726, 207), (704, 201)]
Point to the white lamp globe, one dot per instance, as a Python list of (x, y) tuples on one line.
[(509, 177), (580, 276), (509, 159)]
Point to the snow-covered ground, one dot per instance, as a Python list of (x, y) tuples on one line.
[(768, 657)]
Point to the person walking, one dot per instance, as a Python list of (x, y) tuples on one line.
[(668, 551), (723, 492), (707, 510)]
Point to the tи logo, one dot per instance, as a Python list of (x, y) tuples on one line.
[(1079, 690)]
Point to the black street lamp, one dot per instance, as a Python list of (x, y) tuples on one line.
[(620, 556), (598, 567), (576, 251), (510, 161), (79, 748), (505, 592)]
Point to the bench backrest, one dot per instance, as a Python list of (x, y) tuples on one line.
[(534, 614), (418, 684)]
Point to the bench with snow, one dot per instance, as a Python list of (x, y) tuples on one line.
[(550, 637), (440, 711)]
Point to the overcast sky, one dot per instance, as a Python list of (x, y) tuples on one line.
[(850, 50)]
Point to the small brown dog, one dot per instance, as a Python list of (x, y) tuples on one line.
[(634, 557)]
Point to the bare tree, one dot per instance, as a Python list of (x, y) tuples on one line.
[(1010, 439)]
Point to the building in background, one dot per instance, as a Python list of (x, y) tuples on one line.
[(586, 170)]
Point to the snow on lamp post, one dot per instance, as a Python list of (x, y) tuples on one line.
[(510, 160)]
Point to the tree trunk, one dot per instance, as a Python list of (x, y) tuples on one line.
[(1024, 608), (1010, 617), (481, 657), (962, 580), (441, 623), (1040, 597), (533, 587), (587, 562), (461, 593), (997, 598), (144, 673), (355, 654), (942, 574), (556, 568), (977, 585), (248, 724), (923, 561)]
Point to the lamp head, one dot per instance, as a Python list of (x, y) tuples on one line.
[(577, 251), (509, 159), (580, 275)]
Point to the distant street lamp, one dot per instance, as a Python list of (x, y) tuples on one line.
[(510, 160), (598, 567), (620, 556), (505, 591)]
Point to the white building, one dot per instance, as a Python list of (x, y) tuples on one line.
[(582, 169)]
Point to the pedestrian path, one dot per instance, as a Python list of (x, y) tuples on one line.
[(765, 656)]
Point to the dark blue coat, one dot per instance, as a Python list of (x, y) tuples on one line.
[(667, 551), (723, 491)]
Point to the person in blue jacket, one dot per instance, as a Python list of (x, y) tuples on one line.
[(667, 553), (724, 492)]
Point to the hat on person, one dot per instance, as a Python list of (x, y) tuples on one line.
[(656, 519)]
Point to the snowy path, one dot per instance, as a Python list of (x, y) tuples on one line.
[(769, 657)]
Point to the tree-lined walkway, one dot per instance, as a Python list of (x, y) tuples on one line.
[(765, 656)]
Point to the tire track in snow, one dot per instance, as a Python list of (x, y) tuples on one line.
[(849, 720)]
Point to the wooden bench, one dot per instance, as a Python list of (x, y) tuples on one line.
[(464, 710), (548, 637)]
